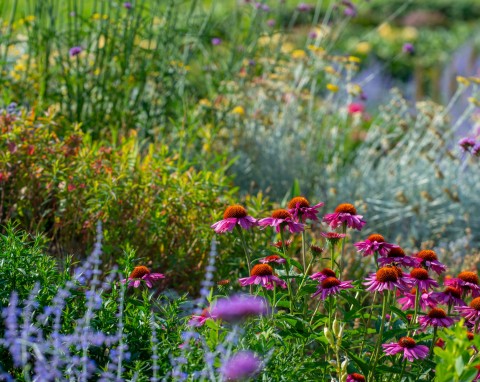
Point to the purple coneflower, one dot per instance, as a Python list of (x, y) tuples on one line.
[(386, 278), (262, 274), (374, 243), (279, 243), (429, 260), (75, 51), (142, 273), (216, 41), (451, 296), (345, 214), (232, 216), (419, 278), (272, 259), (282, 219), (408, 346), (323, 274), (355, 377), (271, 22), (467, 143), (467, 281), (471, 312), (330, 286), (300, 208), (304, 7), (425, 301), (239, 307), (198, 321), (240, 366), (333, 237), (127, 5), (436, 317), (397, 255), (408, 48)]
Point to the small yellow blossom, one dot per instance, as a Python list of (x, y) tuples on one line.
[(239, 110), (409, 33), (475, 79), (98, 16), (462, 80), (205, 102), (287, 47), (30, 18), (364, 47), (298, 54), (316, 49), (330, 70), (354, 59), (385, 31), (474, 101), (333, 88)]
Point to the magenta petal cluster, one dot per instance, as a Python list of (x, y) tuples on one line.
[(233, 216), (272, 259), (408, 346), (345, 214), (385, 278), (198, 321), (142, 273), (240, 366), (282, 220), (374, 243), (331, 286), (300, 208), (435, 318), (239, 307), (425, 301)]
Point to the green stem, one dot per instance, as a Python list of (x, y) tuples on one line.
[(340, 266), (414, 317), (304, 251), (245, 248), (315, 311), (332, 255), (287, 266), (435, 328), (380, 335), (368, 323)]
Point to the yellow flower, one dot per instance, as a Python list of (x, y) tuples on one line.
[(462, 80), (475, 101), (204, 102), (385, 31), (364, 47), (354, 59), (331, 70), (287, 47), (475, 79), (30, 18), (409, 33), (299, 54), (239, 110), (354, 89), (333, 88), (316, 49)]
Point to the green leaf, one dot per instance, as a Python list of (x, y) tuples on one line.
[(459, 365)]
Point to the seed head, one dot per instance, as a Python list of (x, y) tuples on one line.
[(235, 211), (281, 214), (396, 252), (419, 274), (475, 304), (387, 274), (261, 270), (427, 255), (407, 342), (376, 237), (469, 277), (139, 272), (330, 282), (346, 208), (300, 200), (437, 313)]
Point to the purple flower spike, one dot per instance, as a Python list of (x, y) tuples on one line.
[(127, 5), (239, 307), (216, 41), (242, 365), (408, 48), (75, 51)]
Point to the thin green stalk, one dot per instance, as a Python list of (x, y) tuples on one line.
[(315, 311), (380, 335), (287, 266), (435, 328), (368, 323), (344, 231), (245, 248), (304, 251), (414, 317), (332, 255)]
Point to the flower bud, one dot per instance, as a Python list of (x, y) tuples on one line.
[(329, 336), (336, 327), (344, 365)]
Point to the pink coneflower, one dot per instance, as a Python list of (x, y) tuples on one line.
[(425, 301), (408, 346), (471, 312), (386, 278), (232, 216), (239, 307), (262, 274), (397, 256), (374, 243), (272, 259), (300, 208), (451, 296), (323, 274), (467, 143), (330, 286), (408, 48), (466, 280), (355, 377), (333, 238), (345, 214), (282, 219), (429, 260), (316, 250), (142, 273), (198, 321), (356, 108), (436, 317), (419, 278), (241, 366)]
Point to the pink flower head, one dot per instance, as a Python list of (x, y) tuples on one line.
[(75, 51), (279, 244), (436, 317), (467, 143), (272, 259), (425, 301), (397, 256), (355, 377), (419, 278), (471, 312), (323, 274), (330, 286), (300, 208), (374, 243), (356, 107), (386, 278), (240, 307), (408, 346), (241, 366), (467, 281), (282, 220), (232, 216), (429, 260), (345, 214), (262, 274), (198, 321), (142, 273), (333, 237), (451, 296)]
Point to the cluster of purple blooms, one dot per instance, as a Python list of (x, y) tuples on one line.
[(470, 145)]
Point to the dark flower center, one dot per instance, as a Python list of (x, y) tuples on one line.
[(419, 274), (407, 342), (396, 252), (398, 270), (475, 304), (427, 255), (357, 377), (346, 208), (469, 277), (316, 249), (470, 336), (328, 272), (455, 292), (261, 270), (235, 211), (437, 313), (330, 282), (281, 214), (376, 237), (387, 274), (139, 272), (300, 200)]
